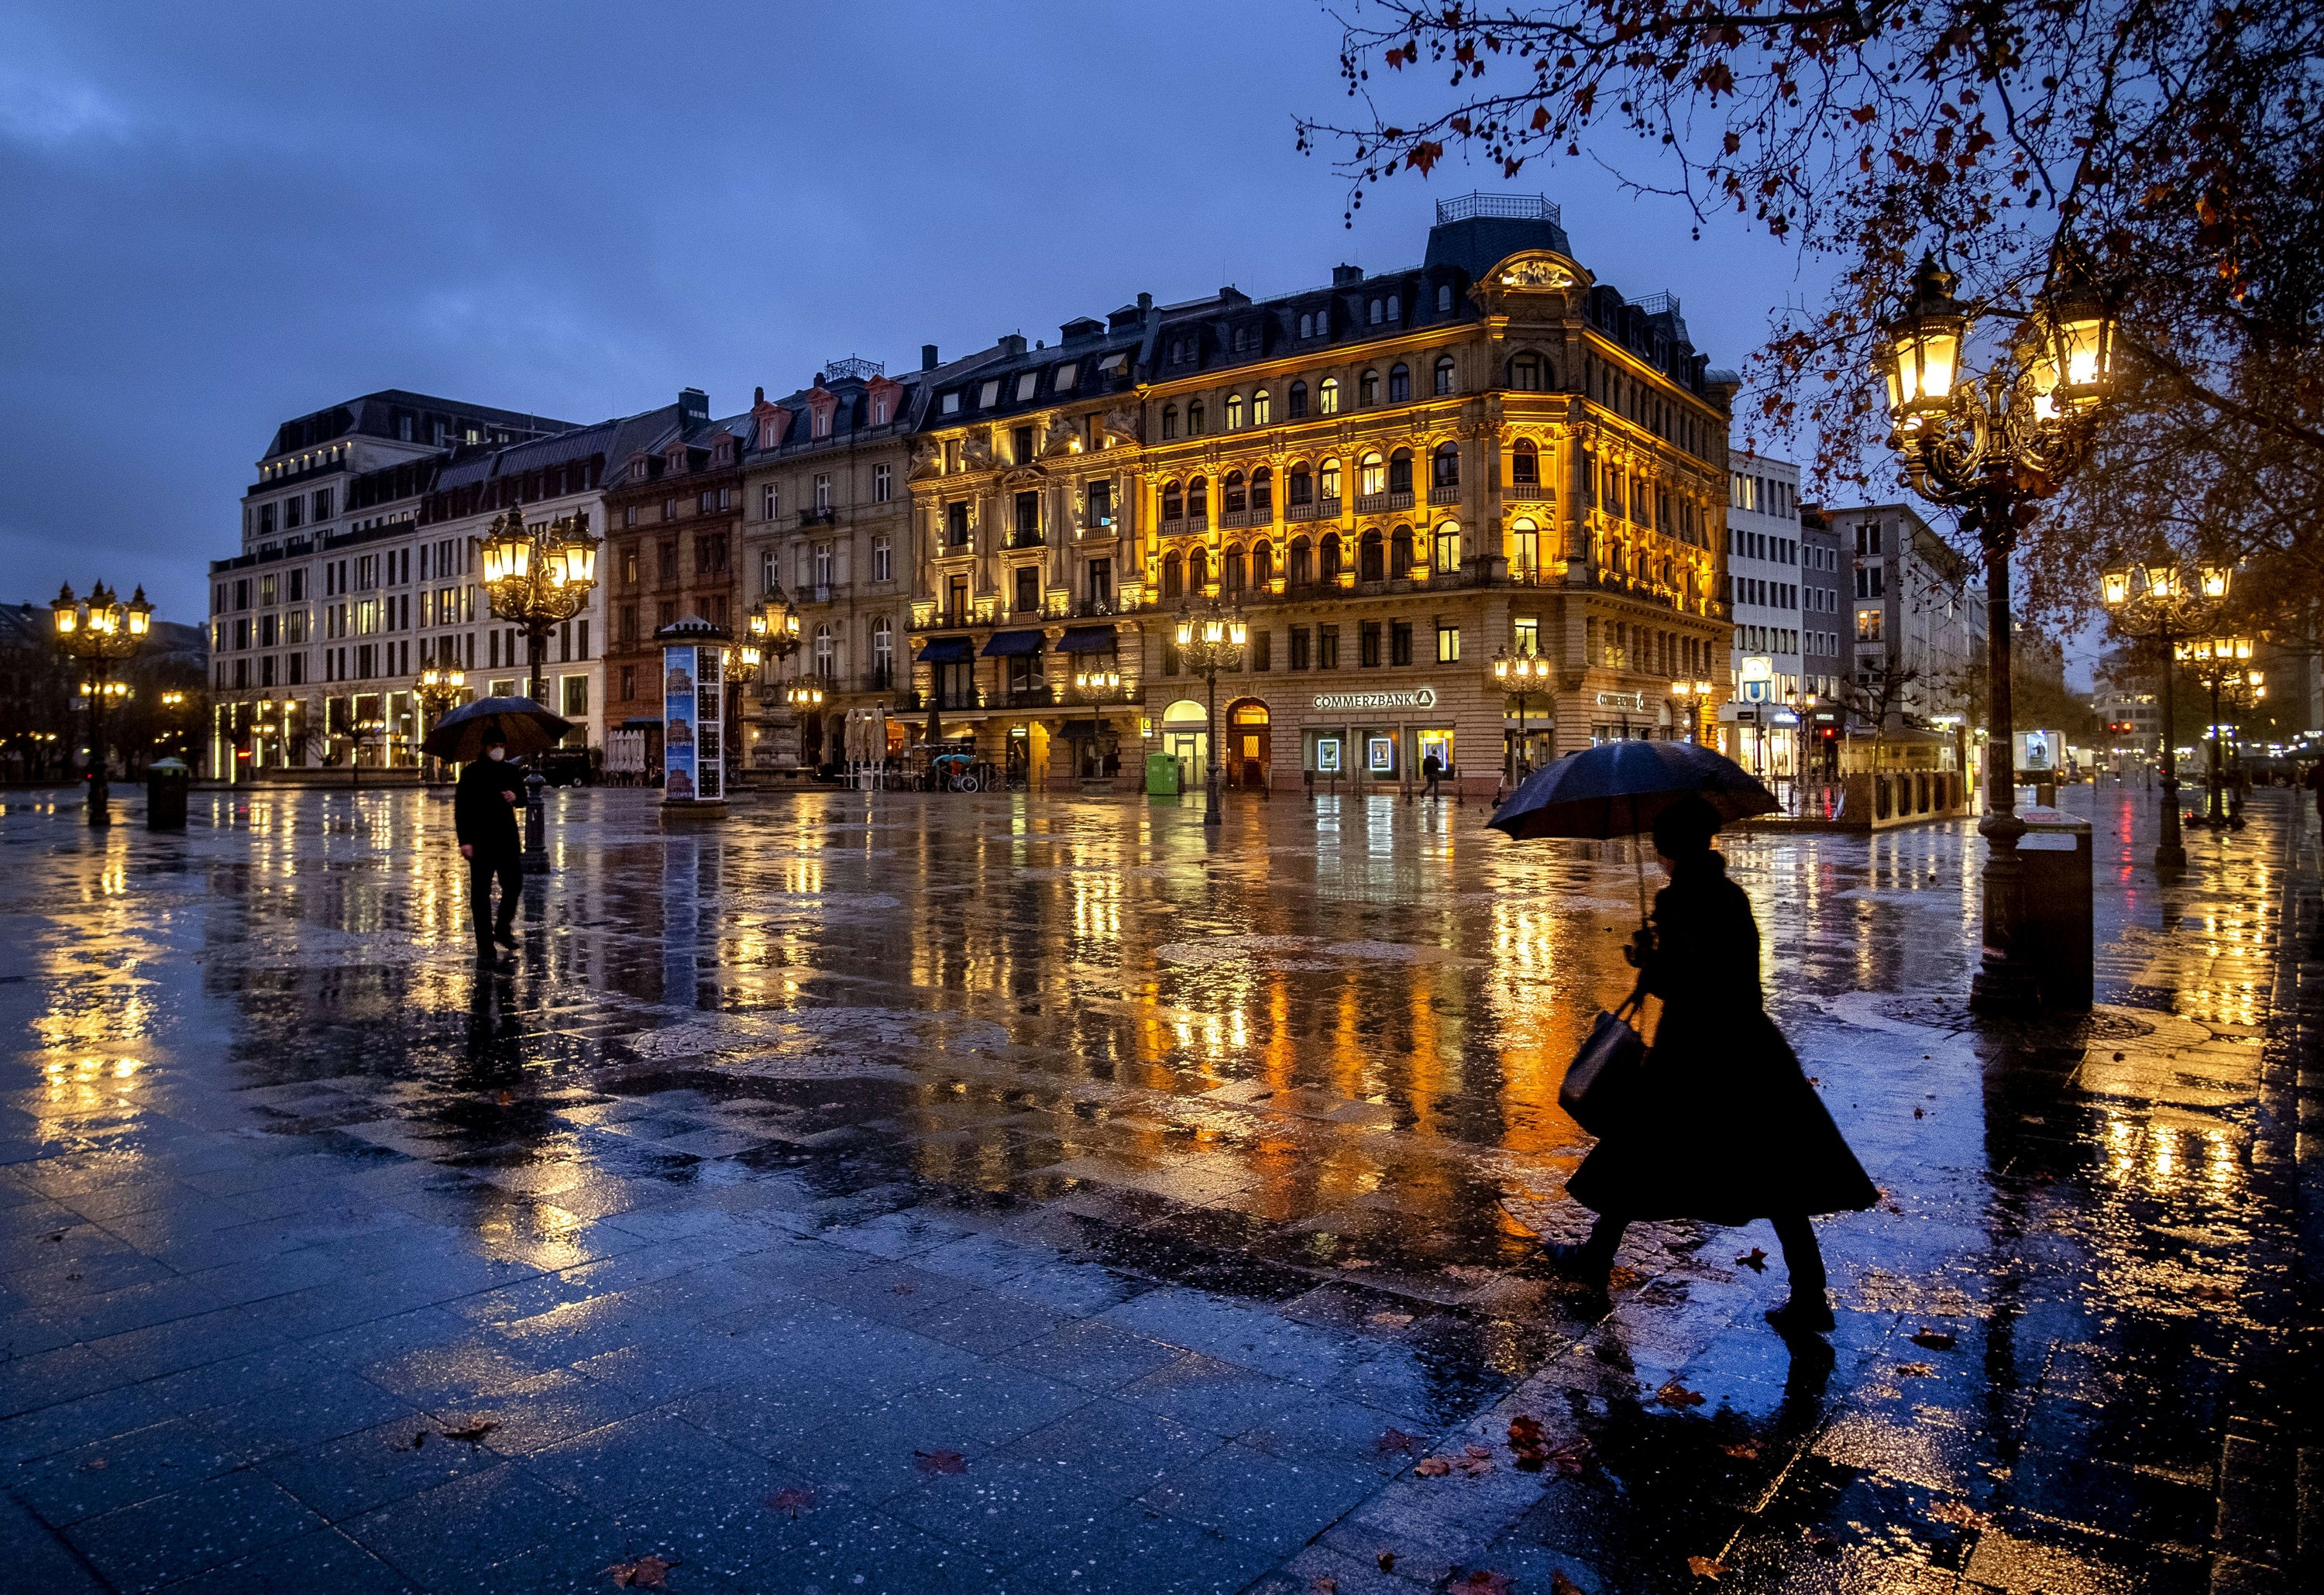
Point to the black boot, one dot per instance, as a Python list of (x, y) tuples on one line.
[(1812, 1315)]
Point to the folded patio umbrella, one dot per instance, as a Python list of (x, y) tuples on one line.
[(527, 728), (1618, 789)]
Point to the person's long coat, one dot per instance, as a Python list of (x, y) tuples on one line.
[(1728, 1129), (483, 814)]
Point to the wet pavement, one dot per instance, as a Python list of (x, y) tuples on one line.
[(1008, 1193)]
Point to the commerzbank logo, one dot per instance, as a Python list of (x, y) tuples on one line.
[(1418, 697)]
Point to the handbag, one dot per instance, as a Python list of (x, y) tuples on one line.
[(1606, 1070)]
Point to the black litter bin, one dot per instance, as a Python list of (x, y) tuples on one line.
[(166, 780), (2055, 910)]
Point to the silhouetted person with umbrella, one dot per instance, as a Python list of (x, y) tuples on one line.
[(1727, 1129), (483, 815)]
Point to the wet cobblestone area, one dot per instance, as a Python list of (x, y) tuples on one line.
[(1006, 1193)]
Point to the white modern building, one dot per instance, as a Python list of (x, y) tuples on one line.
[(1767, 663)]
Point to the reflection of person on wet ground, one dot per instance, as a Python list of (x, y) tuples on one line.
[(1727, 1129), (483, 817)]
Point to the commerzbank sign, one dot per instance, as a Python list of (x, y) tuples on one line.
[(1418, 697)]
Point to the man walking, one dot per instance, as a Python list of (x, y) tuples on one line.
[(1432, 768), (484, 816)]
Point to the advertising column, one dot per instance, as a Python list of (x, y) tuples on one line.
[(693, 740)]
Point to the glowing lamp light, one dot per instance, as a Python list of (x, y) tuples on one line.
[(67, 610), (1921, 354), (2215, 579), (2113, 587)]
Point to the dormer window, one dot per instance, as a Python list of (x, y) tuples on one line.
[(951, 405), (1376, 315), (1396, 307), (823, 420), (1025, 384), (879, 410), (1308, 325), (989, 394), (1064, 378)]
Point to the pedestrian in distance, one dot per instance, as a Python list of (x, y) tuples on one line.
[(1726, 1127), (1432, 768), (483, 817)]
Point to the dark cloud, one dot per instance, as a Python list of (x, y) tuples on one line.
[(217, 217)]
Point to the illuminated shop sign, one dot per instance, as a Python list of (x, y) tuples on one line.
[(1418, 697)]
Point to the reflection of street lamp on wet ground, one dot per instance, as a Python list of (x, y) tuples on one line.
[(100, 632)]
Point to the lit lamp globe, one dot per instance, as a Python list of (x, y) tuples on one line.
[(1920, 354)]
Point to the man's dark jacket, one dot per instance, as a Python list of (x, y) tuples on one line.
[(480, 811)]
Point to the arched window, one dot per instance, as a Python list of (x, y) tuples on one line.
[(1262, 492), (1399, 553), (1307, 325), (1295, 402), (1400, 471), (1236, 498), (1174, 576), (1375, 312), (1303, 487), (1169, 420), (1524, 548), (1174, 502), (1303, 563), (1327, 397), (1448, 548), (1198, 501), (1400, 383), (1198, 569), (826, 653), (1525, 373), (1371, 476), (1445, 370), (1195, 418), (1327, 483), (1234, 412), (1259, 409), (1525, 464), (1231, 579), (1444, 299), (1328, 558), (883, 651), (1368, 388), (1368, 563), (1444, 465), (1396, 307), (1262, 564)]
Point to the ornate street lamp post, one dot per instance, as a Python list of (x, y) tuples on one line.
[(1992, 448), (1515, 675), (2223, 665), (100, 632), (2157, 600), (538, 577), (1210, 640), (440, 687), (773, 633)]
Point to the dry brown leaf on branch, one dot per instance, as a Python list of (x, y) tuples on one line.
[(1393, 1439), (1705, 1567), (791, 1500), (1674, 1394), (1935, 1339), (1754, 1259), (940, 1461), (1432, 1467), (646, 1572)]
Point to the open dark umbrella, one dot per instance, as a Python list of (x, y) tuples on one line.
[(1618, 789), (528, 728)]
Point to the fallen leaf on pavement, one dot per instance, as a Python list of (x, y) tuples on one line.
[(474, 1432), (1394, 1439), (1559, 1584), (903, 1289), (1483, 1582), (1917, 1370), (791, 1500), (1920, 1112), (1390, 1320), (646, 1572), (1432, 1467), (1754, 1259), (1528, 1441), (1474, 1460), (505, 1098), (1959, 1514), (1387, 1560), (1745, 1451), (59, 1235), (93, 1463), (1624, 1279), (1821, 1544), (1674, 1394), (1705, 1567), (940, 1461), (1571, 1457), (1324, 1584), (1469, 1272), (1935, 1339), (418, 1440), (1359, 1263)]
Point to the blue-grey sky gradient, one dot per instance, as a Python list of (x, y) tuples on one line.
[(218, 217)]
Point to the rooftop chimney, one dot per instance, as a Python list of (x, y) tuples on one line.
[(1343, 275), (927, 357), (693, 404)]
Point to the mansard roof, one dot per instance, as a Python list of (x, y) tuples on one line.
[(380, 414)]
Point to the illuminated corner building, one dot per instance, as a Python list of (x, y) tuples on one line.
[(1398, 475), (1027, 553), (673, 551), (827, 524), (315, 620)]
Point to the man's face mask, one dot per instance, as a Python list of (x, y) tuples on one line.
[(495, 752)]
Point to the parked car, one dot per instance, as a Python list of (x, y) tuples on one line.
[(569, 767)]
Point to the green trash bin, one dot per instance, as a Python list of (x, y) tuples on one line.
[(166, 780), (1161, 775)]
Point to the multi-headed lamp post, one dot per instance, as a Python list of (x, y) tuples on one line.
[(2223, 665), (1211, 639), (538, 577), (1515, 675), (773, 633), (440, 687), (2161, 600), (101, 631), (1991, 447)]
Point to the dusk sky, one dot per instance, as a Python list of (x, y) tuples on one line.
[(221, 216)]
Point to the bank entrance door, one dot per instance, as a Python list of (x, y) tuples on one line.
[(1249, 749)]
